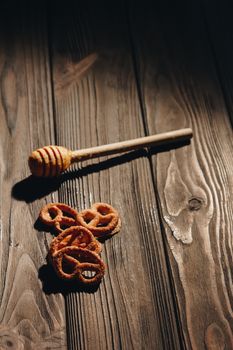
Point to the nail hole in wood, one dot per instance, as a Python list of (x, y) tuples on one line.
[(9, 343), (195, 204)]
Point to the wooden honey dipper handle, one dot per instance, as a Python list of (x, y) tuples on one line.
[(51, 161)]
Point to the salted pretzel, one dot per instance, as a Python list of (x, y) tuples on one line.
[(102, 220), (75, 236), (73, 263), (59, 216)]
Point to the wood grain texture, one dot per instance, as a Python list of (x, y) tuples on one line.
[(179, 87), (29, 319), (133, 307)]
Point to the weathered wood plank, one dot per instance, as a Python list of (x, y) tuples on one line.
[(97, 103), (29, 319), (179, 88)]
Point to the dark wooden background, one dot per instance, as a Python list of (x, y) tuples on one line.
[(86, 73)]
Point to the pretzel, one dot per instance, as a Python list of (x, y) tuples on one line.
[(59, 216), (70, 263), (102, 220), (75, 236)]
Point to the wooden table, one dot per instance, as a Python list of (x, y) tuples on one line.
[(98, 72)]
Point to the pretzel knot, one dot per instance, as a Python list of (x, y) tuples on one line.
[(74, 252), (58, 215), (75, 236), (102, 220), (73, 263)]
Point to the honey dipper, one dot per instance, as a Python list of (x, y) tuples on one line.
[(51, 161)]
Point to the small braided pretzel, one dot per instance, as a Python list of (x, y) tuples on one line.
[(71, 263), (59, 216), (102, 220), (75, 236)]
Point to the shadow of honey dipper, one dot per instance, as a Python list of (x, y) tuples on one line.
[(51, 161)]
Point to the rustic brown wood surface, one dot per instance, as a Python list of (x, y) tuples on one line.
[(94, 73), (181, 89), (100, 108), (29, 318)]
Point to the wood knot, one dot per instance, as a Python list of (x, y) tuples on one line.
[(9, 340), (195, 204), (214, 337), (9, 94)]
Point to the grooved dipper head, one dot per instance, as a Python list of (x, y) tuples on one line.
[(49, 161)]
